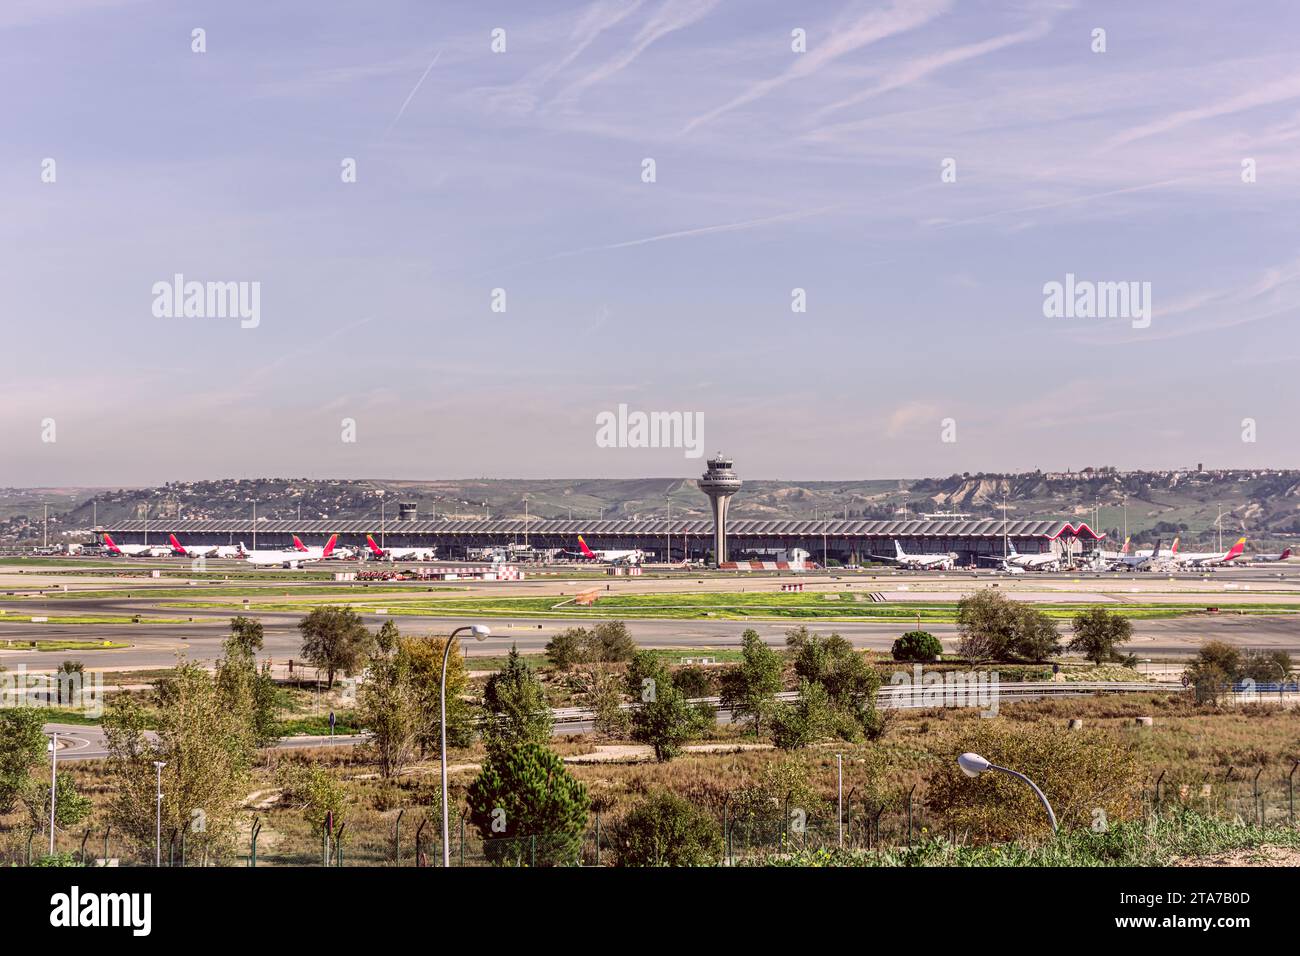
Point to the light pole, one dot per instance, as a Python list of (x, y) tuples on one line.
[(481, 632), (157, 835), (972, 765), (54, 768)]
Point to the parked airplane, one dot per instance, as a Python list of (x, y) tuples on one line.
[(919, 562), (1144, 559), (204, 550), (608, 557), (136, 550), (400, 554), (1262, 558), (1203, 558), (1048, 561), (289, 559), (340, 553)]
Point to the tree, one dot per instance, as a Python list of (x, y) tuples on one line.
[(850, 682), (609, 642), (240, 680), (750, 690), (247, 633), (667, 830), (314, 791), (1266, 667), (666, 720), (516, 704), (526, 806), (807, 720), (387, 704), (334, 640), (986, 621), (205, 736), (1098, 633), (423, 656), (920, 646), (23, 783), (1036, 637), (993, 627), (606, 699), (1223, 656)]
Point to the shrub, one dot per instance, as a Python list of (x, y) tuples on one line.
[(667, 830), (527, 807), (695, 681), (1085, 775), (917, 646)]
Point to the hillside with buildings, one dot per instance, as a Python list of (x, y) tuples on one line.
[(1194, 503)]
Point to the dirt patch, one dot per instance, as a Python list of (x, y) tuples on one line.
[(633, 753), (1257, 856)]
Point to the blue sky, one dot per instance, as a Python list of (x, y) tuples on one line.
[(522, 170)]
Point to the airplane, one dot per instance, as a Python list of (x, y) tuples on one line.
[(400, 554), (1113, 555), (204, 550), (1145, 559), (289, 559), (609, 557), (1157, 553), (919, 562), (1264, 558), (340, 553), (1048, 561), (1203, 558), (136, 550)]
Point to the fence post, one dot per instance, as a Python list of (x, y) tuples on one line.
[(397, 838), (252, 839), (909, 814), (338, 844), (1290, 793), (463, 814), (106, 835), (1158, 780), (30, 836), (82, 854), (419, 836), (598, 839), (1259, 810)]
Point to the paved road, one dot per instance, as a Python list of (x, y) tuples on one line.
[(161, 645)]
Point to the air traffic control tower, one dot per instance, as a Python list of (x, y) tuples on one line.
[(719, 483)]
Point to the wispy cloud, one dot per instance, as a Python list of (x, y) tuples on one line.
[(900, 16), (411, 95)]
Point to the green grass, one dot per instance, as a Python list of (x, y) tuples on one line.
[(42, 645), (1150, 842), (319, 725), (90, 619), (349, 591), (738, 606)]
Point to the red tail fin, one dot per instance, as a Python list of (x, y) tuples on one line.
[(176, 545), (375, 549), (1286, 553), (298, 545), (585, 550), (1237, 548), (329, 546), (108, 540)]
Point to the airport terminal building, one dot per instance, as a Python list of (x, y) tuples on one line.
[(849, 542)]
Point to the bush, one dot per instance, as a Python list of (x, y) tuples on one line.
[(917, 646), (695, 682), (1086, 776), (667, 830), (527, 807), (995, 628), (607, 643)]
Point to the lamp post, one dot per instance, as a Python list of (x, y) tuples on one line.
[(972, 765), (54, 767), (481, 632), (157, 836)]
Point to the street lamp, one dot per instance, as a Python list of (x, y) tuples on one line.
[(157, 836), (54, 767), (972, 765), (481, 632)]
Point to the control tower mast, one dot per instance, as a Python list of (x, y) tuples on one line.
[(719, 483)]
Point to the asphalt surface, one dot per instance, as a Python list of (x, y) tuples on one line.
[(161, 645)]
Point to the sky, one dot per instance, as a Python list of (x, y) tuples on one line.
[(922, 170)]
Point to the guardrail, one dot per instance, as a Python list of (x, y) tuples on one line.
[(918, 696)]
